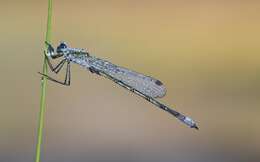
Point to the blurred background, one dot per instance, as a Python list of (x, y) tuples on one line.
[(205, 52)]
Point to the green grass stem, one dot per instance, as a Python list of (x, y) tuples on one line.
[(43, 89)]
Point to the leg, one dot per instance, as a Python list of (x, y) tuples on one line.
[(93, 70), (67, 76), (50, 49), (58, 67)]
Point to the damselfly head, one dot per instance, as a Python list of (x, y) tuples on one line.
[(61, 48)]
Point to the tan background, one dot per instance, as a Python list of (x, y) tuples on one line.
[(205, 52)]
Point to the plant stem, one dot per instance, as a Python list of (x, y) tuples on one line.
[(43, 88)]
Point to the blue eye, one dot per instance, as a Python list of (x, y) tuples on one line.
[(62, 45)]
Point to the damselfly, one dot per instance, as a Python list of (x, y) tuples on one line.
[(145, 86)]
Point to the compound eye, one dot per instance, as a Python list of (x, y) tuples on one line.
[(62, 45)]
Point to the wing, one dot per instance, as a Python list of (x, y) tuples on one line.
[(145, 84)]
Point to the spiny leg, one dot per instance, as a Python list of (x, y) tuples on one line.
[(93, 70), (67, 76), (69, 73), (58, 67)]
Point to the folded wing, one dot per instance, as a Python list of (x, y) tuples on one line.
[(145, 84)]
